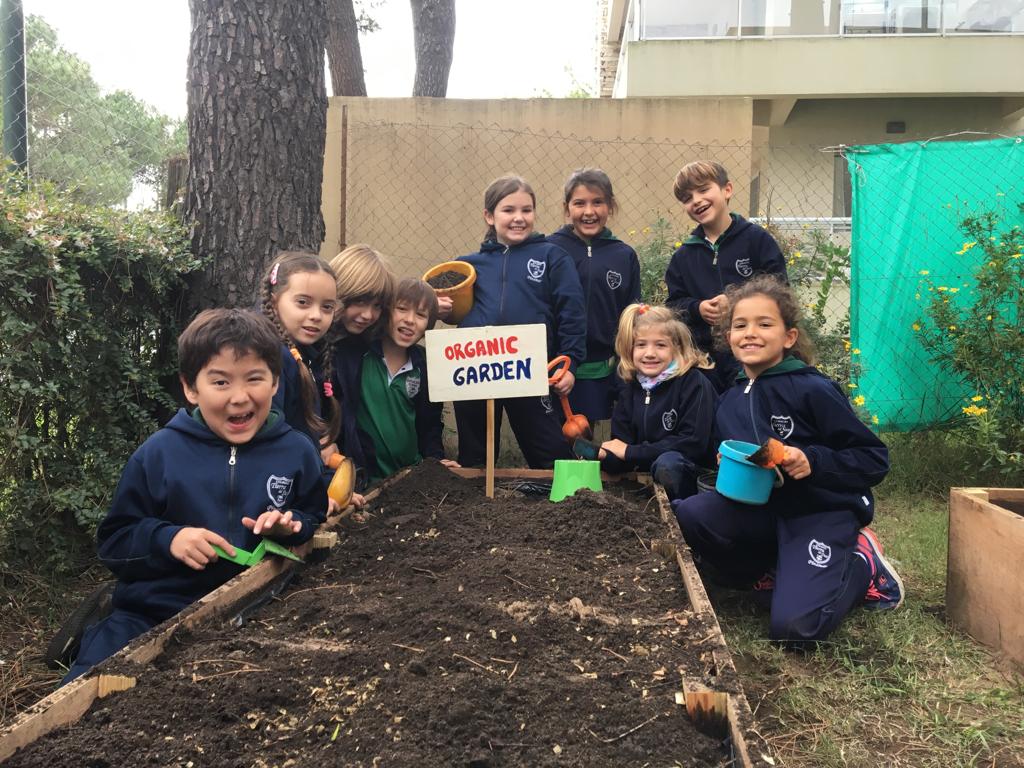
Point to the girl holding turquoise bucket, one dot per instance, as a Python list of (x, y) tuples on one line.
[(808, 542)]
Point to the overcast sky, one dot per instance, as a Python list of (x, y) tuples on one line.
[(503, 48)]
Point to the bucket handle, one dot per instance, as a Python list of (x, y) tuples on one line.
[(779, 480)]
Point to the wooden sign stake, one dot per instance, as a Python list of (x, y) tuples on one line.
[(489, 482)]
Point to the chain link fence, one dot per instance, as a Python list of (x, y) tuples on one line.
[(415, 192), (106, 148)]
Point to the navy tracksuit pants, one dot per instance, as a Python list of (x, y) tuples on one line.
[(106, 637), (533, 420), (819, 577)]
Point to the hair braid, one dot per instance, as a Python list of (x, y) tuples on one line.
[(333, 407), (307, 391)]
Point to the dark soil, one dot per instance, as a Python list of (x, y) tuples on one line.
[(448, 279), (449, 629)]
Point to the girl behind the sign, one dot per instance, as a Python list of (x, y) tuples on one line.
[(521, 279), (807, 543), (610, 275), (663, 418)]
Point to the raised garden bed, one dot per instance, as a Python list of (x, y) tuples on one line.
[(447, 629), (984, 591)]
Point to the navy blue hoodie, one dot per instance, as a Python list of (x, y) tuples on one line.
[(288, 398), (802, 407), (609, 273), (185, 475), (533, 282), (676, 415), (347, 378), (700, 270)]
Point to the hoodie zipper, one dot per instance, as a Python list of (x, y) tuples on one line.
[(231, 486), (504, 282), (750, 408)]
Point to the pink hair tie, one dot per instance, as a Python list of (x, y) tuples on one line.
[(273, 273), (328, 389)]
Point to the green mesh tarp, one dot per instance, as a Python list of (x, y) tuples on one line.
[(908, 200)]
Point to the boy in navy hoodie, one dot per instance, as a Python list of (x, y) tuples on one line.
[(395, 413), (723, 250), (224, 475)]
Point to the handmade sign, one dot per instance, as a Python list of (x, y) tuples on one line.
[(486, 363)]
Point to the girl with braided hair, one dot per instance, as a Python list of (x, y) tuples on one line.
[(299, 296)]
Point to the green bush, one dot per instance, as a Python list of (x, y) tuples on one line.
[(974, 331), (654, 253), (88, 305)]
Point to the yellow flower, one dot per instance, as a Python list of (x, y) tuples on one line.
[(923, 272), (952, 327), (679, 243), (647, 230), (632, 232), (977, 399), (988, 317), (916, 326), (1015, 256), (858, 400), (874, 420), (851, 385), (974, 410), (846, 344), (797, 254), (943, 288), (953, 290), (856, 351), (790, 262), (917, 296)]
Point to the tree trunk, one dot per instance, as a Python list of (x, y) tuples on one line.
[(257, 120), (433, 23), (343, 53)]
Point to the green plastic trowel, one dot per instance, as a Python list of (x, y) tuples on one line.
[(245, 558)]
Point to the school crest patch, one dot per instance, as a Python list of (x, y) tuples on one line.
[(820, 554), (614, 279), (743, 267), (278, 489), (412, 384), (535, 269), (545, 402), (783, 426), (669, 419)]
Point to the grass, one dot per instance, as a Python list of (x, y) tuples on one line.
[(888, 689)]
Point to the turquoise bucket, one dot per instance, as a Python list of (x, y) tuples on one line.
[(740, 480)]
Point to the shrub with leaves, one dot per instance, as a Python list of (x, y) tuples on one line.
[(654, 253), (88, 305), (974, 330)]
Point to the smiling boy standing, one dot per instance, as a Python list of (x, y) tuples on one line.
[(395, 412), (722, 250), (224, 474)]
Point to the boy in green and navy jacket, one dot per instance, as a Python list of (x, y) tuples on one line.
[(398, 424)]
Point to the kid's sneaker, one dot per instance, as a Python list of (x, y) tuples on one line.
[(766, 583), (885, 592)]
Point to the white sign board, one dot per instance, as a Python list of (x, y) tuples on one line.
[(494, 361)]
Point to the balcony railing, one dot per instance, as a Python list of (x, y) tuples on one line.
[(703, 19)]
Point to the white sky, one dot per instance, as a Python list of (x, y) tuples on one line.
[(503, 48)]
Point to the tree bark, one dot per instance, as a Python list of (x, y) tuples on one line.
[(344, 56), (257, 119), (433, 23)]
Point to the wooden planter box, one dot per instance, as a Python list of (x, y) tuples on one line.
[(718, 702), (984, 582)]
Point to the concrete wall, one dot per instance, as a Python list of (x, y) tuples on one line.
[(825, 67), (799, 177), (408, 175)]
